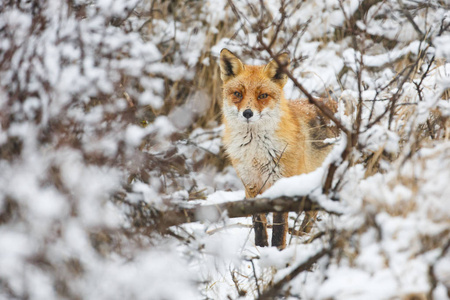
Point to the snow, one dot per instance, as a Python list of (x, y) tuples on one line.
[(223, 196), (85, 172), (441, 43), (290, 186)]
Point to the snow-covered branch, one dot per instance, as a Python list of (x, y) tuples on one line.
[(232, 209)]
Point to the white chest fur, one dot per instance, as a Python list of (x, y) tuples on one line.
[(255, 149)]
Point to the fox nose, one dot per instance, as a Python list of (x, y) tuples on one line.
[(248, 113)]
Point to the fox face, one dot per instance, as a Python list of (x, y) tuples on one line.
[(252, 94)]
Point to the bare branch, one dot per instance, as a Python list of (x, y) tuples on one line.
[(256, 279), (410, 18), (235, 209), (272, 292), (321, 106)]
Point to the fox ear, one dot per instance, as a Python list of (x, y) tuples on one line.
[(274, 70), (230, 65)]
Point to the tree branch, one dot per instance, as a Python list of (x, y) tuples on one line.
[(272, 292), (410, 18), (234, 209)]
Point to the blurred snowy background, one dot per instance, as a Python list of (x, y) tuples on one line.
[(110, 117)]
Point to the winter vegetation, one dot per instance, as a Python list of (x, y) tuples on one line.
[(113, 178)]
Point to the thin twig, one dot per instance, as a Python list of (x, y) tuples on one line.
[(256, 278), (272, 292), (410, 18), (273, 170), (236, 283)]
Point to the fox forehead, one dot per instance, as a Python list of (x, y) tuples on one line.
[(252, 79)]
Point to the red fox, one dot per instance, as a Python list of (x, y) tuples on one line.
[(266, 136)]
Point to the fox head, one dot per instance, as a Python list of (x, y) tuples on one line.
[(252, 94)]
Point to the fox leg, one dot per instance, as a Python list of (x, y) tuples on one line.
[(280, 228), (259, 221), (260, 226)]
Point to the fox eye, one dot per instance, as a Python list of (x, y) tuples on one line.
[(237, 94), (263, 96)]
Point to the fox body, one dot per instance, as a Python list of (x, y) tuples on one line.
[(266, 136)]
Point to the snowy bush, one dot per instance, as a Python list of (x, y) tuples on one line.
[(110, 149)]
